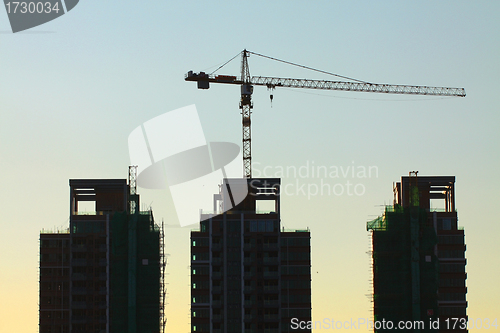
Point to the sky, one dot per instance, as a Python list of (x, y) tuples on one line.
[(73, 89)]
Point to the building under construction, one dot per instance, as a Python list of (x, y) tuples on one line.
[(248, 274), (105, 272), (418, 256)]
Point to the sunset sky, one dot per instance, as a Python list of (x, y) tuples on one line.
[(73, 89)]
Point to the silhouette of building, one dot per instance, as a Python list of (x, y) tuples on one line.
[(248, 274), (418, 257), (105, 272)]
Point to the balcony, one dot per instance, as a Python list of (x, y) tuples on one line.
[(78, 319), (79, 248), (79, 305), (78, 277), (271, 288), (271, 260), (271, 317), (79, 291), (270, 246), (271, 330), (79, 262)]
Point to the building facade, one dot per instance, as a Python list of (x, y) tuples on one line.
[(419, 258), (248, 274), (105, 273)]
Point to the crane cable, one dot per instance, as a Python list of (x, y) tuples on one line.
[(302, 66), (225, 63)]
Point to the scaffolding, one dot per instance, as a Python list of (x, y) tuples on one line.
[(136, 273), (163, 288), (404, 265)]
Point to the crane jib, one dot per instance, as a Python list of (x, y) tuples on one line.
[(273, 82)]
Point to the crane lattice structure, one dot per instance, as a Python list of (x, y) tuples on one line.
[(247, 82)]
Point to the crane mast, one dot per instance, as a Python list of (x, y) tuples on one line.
[(247, 82), (246, 110)]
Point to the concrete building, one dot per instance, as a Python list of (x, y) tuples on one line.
[(248, 274), (105, 272), (419, 257)]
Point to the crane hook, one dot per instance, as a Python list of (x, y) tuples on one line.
[(271, 87)]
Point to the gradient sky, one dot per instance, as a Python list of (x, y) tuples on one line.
[(72, 90)]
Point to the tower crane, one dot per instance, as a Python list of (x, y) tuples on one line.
[(247, 83)]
